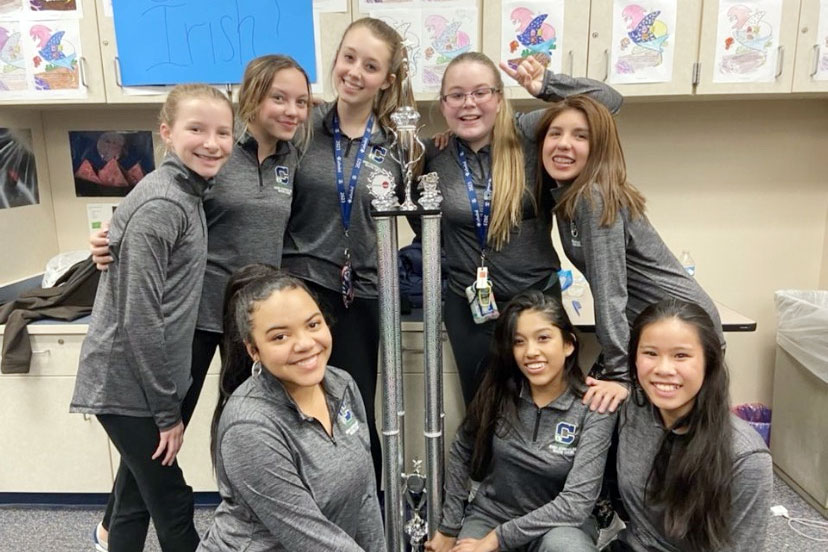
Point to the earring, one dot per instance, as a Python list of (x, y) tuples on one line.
[(256, 369)]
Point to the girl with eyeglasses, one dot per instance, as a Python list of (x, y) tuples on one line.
[(496, 238)]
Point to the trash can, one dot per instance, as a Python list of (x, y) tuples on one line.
[(799, 443), (758, 416)]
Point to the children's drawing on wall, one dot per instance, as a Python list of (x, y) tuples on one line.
[(12, 64), (367, 5), (409, 24), (55, 55), (822, 42), (533, 29), (747, 40), (447, 34), (109, 163), (18, 174), (643, 35)]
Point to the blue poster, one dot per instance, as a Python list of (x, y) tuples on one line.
[(180, 41)]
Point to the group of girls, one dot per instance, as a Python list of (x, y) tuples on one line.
[(294, 441)]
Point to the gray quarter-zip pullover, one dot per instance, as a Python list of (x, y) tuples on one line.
[(628, 268), (315, 242), (247, 213), (135, 360), (286, 484), (640, 432), (546, 470)]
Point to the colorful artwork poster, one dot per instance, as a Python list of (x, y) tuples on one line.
[(409, 23), (447, 33), (643, 41), (54, 9), (747, 41), (532, 29), (109, 163), (11, 9), (822, 42), (18, 174), (54, 48), (12, 63)]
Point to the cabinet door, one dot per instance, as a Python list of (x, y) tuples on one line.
[(571, 46), (746, 46), (89, 71), (637, 58), (47, 449), (811, 70)]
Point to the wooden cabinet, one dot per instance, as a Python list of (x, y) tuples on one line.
[(811, 50), (572, 49), (682, 41), (711, 70), (47, 448)]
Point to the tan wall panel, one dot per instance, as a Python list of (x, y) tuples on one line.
[(28, 233)]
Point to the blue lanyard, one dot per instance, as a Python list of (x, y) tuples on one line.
[(346, 199), (481, 220)]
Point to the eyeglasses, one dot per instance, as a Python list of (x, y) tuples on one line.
[(481, 95)]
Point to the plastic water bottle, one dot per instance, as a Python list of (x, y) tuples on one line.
[(688, 263)]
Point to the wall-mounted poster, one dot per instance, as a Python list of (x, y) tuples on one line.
[(109, 162), (532, 29), (56, 55), (643, 41), (822, 42), (18, 174), (747, 40), (12, 63)]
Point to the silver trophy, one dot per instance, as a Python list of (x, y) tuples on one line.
[(383, 189), (430, 197)]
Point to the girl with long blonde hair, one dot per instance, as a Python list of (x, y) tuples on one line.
[(496, 237)]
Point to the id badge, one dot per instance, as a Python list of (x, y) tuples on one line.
[(346, 276), (482, 301)]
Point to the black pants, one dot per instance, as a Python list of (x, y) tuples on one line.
[(355, 332), (204, 348), (471, 343), (145, 489)]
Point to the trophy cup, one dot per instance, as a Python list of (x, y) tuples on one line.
[(422, 493)]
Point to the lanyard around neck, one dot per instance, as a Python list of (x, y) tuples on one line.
[(346, 198), (481, 219)]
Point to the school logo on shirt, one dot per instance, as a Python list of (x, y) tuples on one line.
[(378, 154), (282, 185), (347, 420), (565, 433), (574, 234)]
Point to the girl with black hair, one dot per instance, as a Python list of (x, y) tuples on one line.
[(692, 476), (537, 450), (289, 435)]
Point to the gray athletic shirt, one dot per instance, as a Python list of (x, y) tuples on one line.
[(315, 243), (135, 360), (247, 213), (530, 245), (639, 435), (628, 268), (285, 484), (545, 472)]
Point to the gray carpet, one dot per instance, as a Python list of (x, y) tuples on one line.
[(70, 529)]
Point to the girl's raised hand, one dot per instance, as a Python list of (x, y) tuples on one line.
[(604, 396), (529, 74), (441, 139)]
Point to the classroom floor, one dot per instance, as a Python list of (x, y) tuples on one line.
[(62, 529)]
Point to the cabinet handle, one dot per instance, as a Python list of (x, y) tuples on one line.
[(81, 66), (42, 352), (815, 54), (780, 60), (571, 55), (86, 417), (606, 65), (117, 63)]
